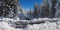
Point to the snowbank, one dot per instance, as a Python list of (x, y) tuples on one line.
[(8, 24), (45, 26), (5, 26)]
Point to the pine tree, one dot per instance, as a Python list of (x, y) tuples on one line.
[(44, 9), (35, 9), (4, 8), (31, 12), (57, 13), (8, 7), (53, 9)]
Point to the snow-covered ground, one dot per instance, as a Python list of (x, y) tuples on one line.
[(9, 24)]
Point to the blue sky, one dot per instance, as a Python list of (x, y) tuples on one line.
[(27, 4)]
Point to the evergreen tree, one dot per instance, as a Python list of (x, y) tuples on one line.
[(4, 8), (57, 14), (8, 7), (35, 10), (53, 9), (46, 12), (44, 9)]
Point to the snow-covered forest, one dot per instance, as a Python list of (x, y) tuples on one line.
[(43, 17)]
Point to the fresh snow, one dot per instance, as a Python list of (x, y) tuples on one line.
[(9, 24)]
